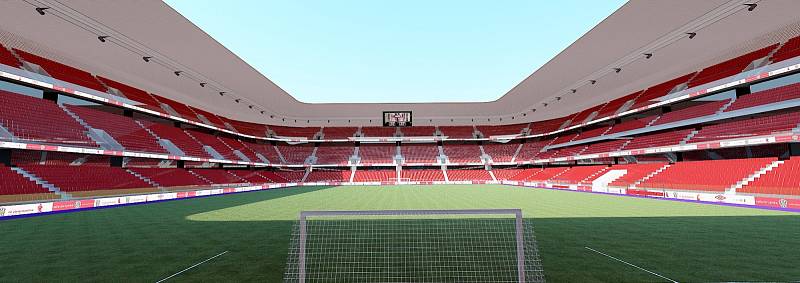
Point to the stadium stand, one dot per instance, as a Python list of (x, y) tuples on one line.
[(378, 131), (730, 67), (7, 58), (170, 177), (576, 175), (419, 153), (334, 154), (189, 145), (418, 131), (423, 175), (702, 110), (468, 175), (123, 129), (457, 132), (749, 127), (374, 175), (339, 132), (40, 121), (462, 153), (764, 97), (89, 180), (782, 180), (789, 50), (218, 177), (694, 176), (501, 152), (63, 72), (295, 154), (377, 153), (328, 176)]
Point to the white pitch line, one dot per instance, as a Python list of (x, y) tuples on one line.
[(628, 263), (190, 267)]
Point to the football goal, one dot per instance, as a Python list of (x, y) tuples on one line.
[(488, 245)]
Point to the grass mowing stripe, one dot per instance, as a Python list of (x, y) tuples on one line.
[(190, 267), (631, 264)]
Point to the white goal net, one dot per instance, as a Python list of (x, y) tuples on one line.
[(495, 245)]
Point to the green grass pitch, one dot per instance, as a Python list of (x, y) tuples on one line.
[(687, 242)]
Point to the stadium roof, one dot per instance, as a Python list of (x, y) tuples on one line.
[(68, 33)]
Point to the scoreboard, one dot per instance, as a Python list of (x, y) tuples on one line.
[(397, 118)]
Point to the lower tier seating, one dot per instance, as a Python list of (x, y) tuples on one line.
[(320, 175), (468, 175), (170, 177), (374, 175), (423, 175), (781, 180), (86, 178), (695, 176)]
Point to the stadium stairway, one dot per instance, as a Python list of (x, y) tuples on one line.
[(50, 187), (754, 176)]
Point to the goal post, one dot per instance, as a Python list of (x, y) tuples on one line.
[(474, 245)]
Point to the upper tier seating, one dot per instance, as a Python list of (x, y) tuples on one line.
[(501, 152), (266, 150), (596, 132), (181, 109), (339, 132), (179, 138), (39, 120), (63, 72), (547, 126), (123, 129), (563, 151), (789, 50), (301, 132), (695, 176), (170, 177), (468, 175), (319, 175), (86, 178), (418, 131), (781, 180), (576, 175), (612, 107), (581, 117), (218, 145), (702, 110), (6, 58), (631, 125), (218, 177), (457, 132), (253, 129), (134, 94), (673, 137), (295, 154), (256, 129), (768, 96), (374, 175), (462, 153), (607, 146), (424, 175), (635, 172), (730, 67), (378, 131), (419, 153), (334, 154), (531, 150), (645, 98), (241, 147), (12, 183), (749, 127), (512, 129), (377, 153)]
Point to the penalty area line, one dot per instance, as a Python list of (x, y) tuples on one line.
[(628, 263), (190, 267)]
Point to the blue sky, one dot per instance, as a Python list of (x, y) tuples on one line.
[(396, 51)]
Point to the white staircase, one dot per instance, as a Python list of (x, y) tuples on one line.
[(653, 121), (722, 109), (688, 137), (491, 173), (516, 152), (754, 176), (650, 175), (280, 155), (41, 182), (601, 184), (143, 178)]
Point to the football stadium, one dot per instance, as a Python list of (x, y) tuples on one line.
[(399, 141)]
